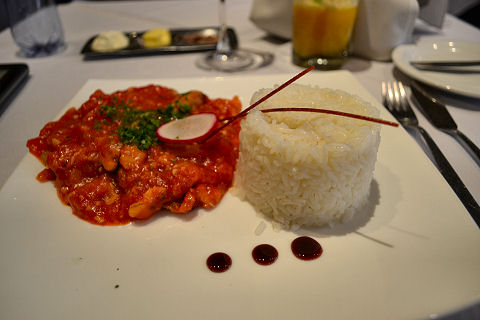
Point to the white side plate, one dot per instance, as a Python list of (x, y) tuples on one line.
[(467, 84)]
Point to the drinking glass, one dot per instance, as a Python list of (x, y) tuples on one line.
[(322, 31), (227, 58), (35, 26)]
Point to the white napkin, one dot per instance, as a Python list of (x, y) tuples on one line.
[(382, 25), (433, 11)]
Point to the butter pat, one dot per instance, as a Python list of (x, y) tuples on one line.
[(110, 41), (156, 38)]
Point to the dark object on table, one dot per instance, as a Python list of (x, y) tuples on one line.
[(3, 16), (183, 40), (12, 77), (471, 16)]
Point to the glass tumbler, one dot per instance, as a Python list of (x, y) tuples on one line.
[(321, 32), (36, 27)]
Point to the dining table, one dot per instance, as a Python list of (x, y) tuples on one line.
[(54, 80)]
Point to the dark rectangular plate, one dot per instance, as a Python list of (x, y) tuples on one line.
[(183, 40)]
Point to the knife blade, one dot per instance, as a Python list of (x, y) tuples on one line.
[(436, 112), (449, 63), (461, 66)]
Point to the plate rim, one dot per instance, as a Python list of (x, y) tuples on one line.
[(403, 65)]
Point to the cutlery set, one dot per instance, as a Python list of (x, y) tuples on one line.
[(395, 100), (438, 115)]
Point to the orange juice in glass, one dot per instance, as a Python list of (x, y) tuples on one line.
[(322, 31)]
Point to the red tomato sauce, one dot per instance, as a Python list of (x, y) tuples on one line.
[(110, 182)]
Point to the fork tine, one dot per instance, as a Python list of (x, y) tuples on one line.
[(390, 96), (386, 96), (397, 103), (403, 95), (384, 93)]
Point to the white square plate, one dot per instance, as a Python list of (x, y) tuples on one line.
[(411, 254)]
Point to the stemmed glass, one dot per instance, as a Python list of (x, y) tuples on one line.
[(226, 57)]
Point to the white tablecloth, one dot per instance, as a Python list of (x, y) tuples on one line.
[(55, 80)]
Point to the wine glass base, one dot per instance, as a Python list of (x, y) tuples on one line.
[(237, 60)]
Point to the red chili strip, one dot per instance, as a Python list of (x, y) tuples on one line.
[(244, 112), (337, 113)]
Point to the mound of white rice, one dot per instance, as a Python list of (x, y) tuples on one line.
[(303, 168)]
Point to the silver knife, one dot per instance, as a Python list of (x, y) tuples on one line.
[(438, 115), (465, 66), (449, 63)]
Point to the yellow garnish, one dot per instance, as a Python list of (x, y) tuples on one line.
[(156, 38)]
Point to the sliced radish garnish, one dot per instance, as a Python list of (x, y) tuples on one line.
[(189, 129)]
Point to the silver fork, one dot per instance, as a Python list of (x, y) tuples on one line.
[(395, 100)]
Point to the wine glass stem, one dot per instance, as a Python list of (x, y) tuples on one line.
[(223, 43)]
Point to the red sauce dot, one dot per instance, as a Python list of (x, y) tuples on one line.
[(264, 254), (306, 248), (219, 262)]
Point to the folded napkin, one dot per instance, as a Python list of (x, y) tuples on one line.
[(381, 24), (433, 11)]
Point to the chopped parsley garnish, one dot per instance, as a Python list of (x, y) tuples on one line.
[(109, 111), (137, 127)]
